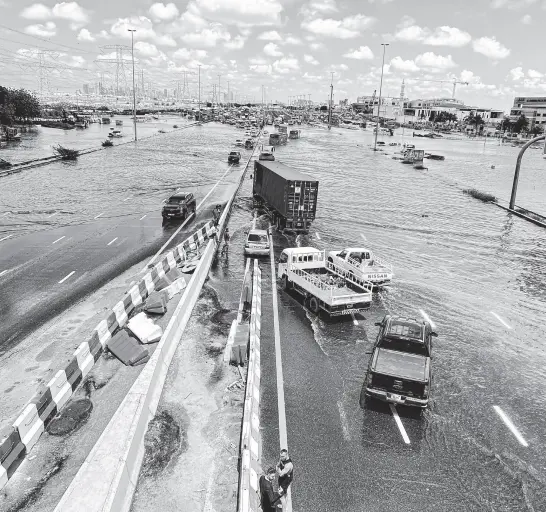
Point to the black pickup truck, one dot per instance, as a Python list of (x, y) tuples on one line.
[(179, 206), (399, 370)]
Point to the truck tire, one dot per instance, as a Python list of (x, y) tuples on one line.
[(286, 284), (314, 305)]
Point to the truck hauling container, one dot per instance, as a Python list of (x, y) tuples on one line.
[(289, 193)]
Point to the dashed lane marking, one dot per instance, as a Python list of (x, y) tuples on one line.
[(58, 240), (510, 425), (99, 215), (143, 216), (112, 241), (66, 277), (427, 318), (126, 199), (318, 236), (5, 238), (344, 422), (363, 237), (52, 215), (4, 272), (399, 423), (6, 213), (500, 320)]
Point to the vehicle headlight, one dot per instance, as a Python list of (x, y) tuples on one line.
[(425, 391), (369, 379)]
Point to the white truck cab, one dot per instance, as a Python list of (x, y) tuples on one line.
[(364, 264), (304, 257)]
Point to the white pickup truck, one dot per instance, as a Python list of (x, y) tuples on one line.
[(364, 264), (323, 285)]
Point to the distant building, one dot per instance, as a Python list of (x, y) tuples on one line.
[(533, 107), (343, 103), (86, 88)]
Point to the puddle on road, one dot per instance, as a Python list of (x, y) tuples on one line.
[(73, 416)]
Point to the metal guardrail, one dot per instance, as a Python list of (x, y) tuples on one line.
[(357, 281)]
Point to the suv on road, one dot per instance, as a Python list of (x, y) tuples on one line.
[(179, 206), (234, 157), (399, 370)]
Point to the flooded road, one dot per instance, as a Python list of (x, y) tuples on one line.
[(475, 271)]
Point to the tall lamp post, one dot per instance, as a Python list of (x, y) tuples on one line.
[(199, 94), (384, 45), (132, 30)]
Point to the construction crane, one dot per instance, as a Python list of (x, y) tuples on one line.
[(454, 82)]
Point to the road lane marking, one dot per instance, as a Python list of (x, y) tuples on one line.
[(427, 318), (510, 425), (355, 321), (7, 213), (143, 216), (399, 423), (66, 277), (344, 422), (52, 215), (58, 240), (99, 215), (318, 236), (500, 320), (126, 199), (110, 243), (4, 272), (363, 237), (283, 435), (5, 238), (156, 255)]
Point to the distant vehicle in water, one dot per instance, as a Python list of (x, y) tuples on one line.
[(363, 263), (234, 157), (115, 133), (249, 144), (239, 143), (257, 243), (399, 371), (276, 139), (294, 134), (179, 206)]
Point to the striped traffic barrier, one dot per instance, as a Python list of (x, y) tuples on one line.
[(17, 441)]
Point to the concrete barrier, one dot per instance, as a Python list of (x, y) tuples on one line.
[(250, 451), (47, 402)]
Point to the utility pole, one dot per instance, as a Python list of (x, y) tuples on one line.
[(228, 98), (132, 30), (384, 45), (219, 76), (331, 101), (199, 100)]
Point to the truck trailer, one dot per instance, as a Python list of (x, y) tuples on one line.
[(290, 194)]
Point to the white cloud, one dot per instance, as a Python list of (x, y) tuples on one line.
[(36, 12), (310, 59), (73, 12), (315, 7), (48, 29), (532, 73), (185, 54), (161, 12), (272, 35), (340, 67), (517, 73), (362, 53), (440, 36), (146, 49), (103, 34), (511, 4), (347, 28), (85, 35), (272, 50), (165, 40), (526, 20), (207, 37), (490, 47), (434, 62), (468, 76), (403, 65), (144, 30), (246, 13), (292, 40), (316, 46), (236, 43), (286, 65)]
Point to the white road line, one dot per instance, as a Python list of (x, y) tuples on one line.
[(52, 215), (399, 423), (143, 216), (110, 243), (58, 240), (7, 213), (156, 255), (355, 321), (427, 318), (5, 238), (510, 425), (126, 199), (66, 277), (99, 215), (500, 320), (344, 422), (318, 236), (4, 272), (283, 434), (363, 237)]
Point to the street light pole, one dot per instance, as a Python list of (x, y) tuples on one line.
[(219, 90), (132, 30), (384, 45), (199, 95), (228, 98)]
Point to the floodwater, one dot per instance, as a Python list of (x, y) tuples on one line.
[(475, 271)]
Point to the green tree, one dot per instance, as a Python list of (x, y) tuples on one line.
[(521, 125), (18, 105), (537, 130), (475, 121), (324, 108), (432, 117)]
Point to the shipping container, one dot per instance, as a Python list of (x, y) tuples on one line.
[(291, 194)]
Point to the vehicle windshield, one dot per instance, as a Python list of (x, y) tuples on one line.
[(409, 347), (253, 237), (175, 200), (406, 330)]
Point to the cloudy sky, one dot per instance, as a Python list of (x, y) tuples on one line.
[(288, 46)]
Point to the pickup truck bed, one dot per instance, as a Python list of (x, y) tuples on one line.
[(400, 364)]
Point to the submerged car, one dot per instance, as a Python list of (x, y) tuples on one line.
[(257, 243), (399, 371), (234, 157), (179, 206)]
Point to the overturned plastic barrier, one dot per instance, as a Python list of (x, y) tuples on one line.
[(249, 499), (17, 440)]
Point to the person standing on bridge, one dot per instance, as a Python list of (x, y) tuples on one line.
[(268, 496), (285, 470)]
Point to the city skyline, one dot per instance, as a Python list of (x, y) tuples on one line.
[(290, 47)]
